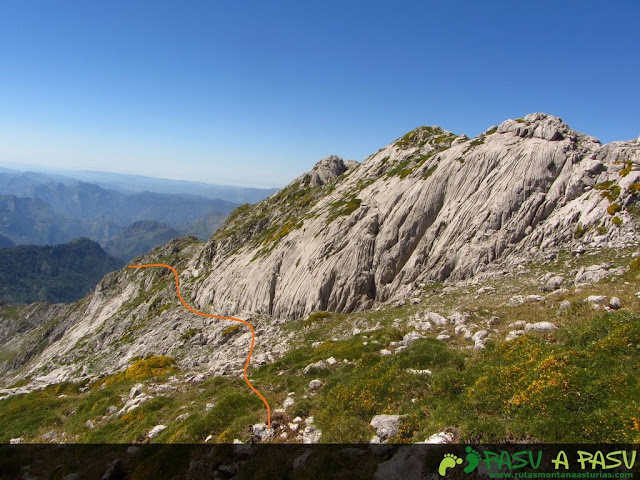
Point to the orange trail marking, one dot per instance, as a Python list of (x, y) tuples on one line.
[(253, 335)]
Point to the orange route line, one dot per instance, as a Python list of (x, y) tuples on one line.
[(253, 334)]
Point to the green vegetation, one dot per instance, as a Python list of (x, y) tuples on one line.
[(617, 221), (477, 141), (613, 209), (564, 386), (59, 273), (634, 188), (491, 131), (627, 168), (231, 330), (520, 120), (609, 190), (579, 233), (343, 207), (192, 332), (401, 169), (265, 224), (147, 367), (429, 171)]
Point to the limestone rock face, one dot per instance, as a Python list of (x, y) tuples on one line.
[(430, 206)]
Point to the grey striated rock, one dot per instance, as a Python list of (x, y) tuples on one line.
[(615, 303)]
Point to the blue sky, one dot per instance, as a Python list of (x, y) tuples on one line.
[(255, 93)]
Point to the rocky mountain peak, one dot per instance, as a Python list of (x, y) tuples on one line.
[(323, 172), (539, 125), (422, 136)]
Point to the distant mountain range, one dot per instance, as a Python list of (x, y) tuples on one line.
[(59, 273), (39, 208), (139, 183), (139, 238)]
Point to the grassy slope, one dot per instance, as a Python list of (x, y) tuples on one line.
[(577, 383)]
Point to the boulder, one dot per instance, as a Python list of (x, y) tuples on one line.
[(155, 431), (386, 426), (314, 367), (540, 327)]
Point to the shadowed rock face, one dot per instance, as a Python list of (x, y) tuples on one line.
[(430, 206)]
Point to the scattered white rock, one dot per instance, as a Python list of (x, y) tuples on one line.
[(297, 420), (480, 335), (135, 390), (553, 283), (331, 361), (437, 319), (288, 402), (208, 439), (513, 334), (311, 435), (16, 441), (540, 327), (263, 432), (315, 385), (565, 304), (182, 417), (319, 365), (411, 337), (595, 298), (419, 372), (443, 337), (208, 407), (384, 352), (615, 303), (518, 324), (294, 427), (155, 431), (484, 290), (386, 426)]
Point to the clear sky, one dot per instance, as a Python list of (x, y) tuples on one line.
[(255, 92)]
